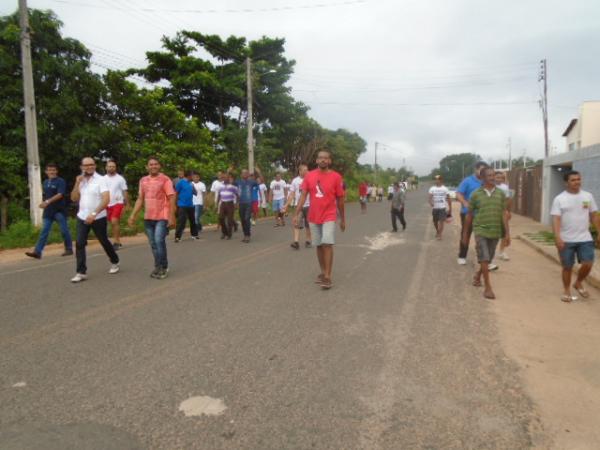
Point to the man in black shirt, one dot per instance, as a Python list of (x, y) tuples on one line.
[(55, 209)]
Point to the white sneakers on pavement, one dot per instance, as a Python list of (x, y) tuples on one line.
[(114, 268), (462, 261), (503, 257), (79, 277), (492, 266)]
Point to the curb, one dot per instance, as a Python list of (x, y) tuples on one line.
[(591, 279)]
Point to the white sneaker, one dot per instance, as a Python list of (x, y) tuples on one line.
[(114, 268), (79, 277), (492, 267), (504, 257), (462, 261)]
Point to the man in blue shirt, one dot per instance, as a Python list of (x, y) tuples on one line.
[(246, 186), (185, 206), (55, 209), (463, 194)]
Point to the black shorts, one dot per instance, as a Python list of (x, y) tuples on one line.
[(304, 222), (439, 214)]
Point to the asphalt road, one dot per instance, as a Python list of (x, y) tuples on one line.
[(402, 353)]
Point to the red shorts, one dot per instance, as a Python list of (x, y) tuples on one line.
[(255, 207), (114, 211)]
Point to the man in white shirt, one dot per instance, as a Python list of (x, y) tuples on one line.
[(198, 199), (262, 190), (572, 212), (278, 194), (439, 199), (119, 198), (93, 195), (295, 192)]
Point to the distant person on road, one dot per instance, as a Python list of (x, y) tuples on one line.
[(54, 204), (92, 193), (572, 212), (363, 196), (463, 194), (198, 199), (488, 219), (397, 207), (277, 194), (227, 197), (180, 176), (185, 206), (246, 186), (324, 188), (501, 184), (380, 194), (390, 192), (157, 196), (294, 196), (263, 196), (119, 199), (439, 199)]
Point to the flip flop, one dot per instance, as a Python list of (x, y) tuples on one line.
[(582, 291), (567, 298), (326, 284), (489, 296), (476, 283), (319, 279)]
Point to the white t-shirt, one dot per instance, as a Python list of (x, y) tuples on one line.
[(262, 190), (90, 192), (278, 189), (391, 189), (198, 199), (295, 188), (440, 195), (215, 187), (117, 186), (574, 211), (504, 188)]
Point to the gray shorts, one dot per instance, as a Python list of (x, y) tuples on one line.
[(439, 214), (323, 233), (486, 248)]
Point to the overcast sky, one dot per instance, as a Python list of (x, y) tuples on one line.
[(425, 78)]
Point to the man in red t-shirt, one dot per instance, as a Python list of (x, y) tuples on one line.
[(363, 192), (325, 187)]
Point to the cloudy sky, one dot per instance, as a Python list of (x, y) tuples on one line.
[(425, 78)]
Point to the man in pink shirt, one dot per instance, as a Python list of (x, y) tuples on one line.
[(157, 196), (325, 187)]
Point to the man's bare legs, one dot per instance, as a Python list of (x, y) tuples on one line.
[(566, 279), (321, 258), (582, 273), (484, 270), (116, 230)]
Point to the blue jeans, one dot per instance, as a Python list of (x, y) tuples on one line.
[(198, 209), (157, 231), (61, 220)]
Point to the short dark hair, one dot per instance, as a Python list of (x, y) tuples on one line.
[(52, 165), (153, 158), (188, 173), (480, 164), (570, 173)]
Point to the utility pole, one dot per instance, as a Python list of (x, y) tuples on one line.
[(249, 122), (509, 154), (34, 178), (375, 167), (544, 103)]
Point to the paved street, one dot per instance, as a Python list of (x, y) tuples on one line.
[(401, 353)]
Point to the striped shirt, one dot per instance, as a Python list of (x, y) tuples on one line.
[(228, 192), (488, 210)]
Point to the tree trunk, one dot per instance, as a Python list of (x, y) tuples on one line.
[(3, 213)]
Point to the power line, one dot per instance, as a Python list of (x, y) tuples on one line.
[(221, 11), (426, 104)]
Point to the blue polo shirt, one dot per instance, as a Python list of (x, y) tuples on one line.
[(51, 187), (246, 187), (467, 187), (185, 193)]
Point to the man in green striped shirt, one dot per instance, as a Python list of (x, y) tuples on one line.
[(489, 215)]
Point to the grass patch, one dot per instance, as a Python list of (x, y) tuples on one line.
[(543, 237)]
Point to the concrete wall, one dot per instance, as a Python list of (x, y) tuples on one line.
[(585, 160), (590, 124)]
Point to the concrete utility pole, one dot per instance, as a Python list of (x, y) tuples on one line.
[(249, 122), (509, 154), (375, 167), (544, 103), (34, 178)]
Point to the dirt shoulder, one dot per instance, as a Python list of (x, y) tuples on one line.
[(557, 345)]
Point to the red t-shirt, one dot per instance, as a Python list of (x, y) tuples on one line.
[(324, 189), (362, 189)]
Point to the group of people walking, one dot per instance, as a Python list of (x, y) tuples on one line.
[(172, 203)]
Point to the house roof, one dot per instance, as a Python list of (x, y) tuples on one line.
[(570, 127)]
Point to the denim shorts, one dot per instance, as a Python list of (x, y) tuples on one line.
[(278, 204), (585, 252), (486, 248), (322, 233)]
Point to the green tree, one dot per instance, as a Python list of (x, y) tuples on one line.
[(455, 167)]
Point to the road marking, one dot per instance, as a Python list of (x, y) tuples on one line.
[(202, 405), (382, 241), (20, 384)]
